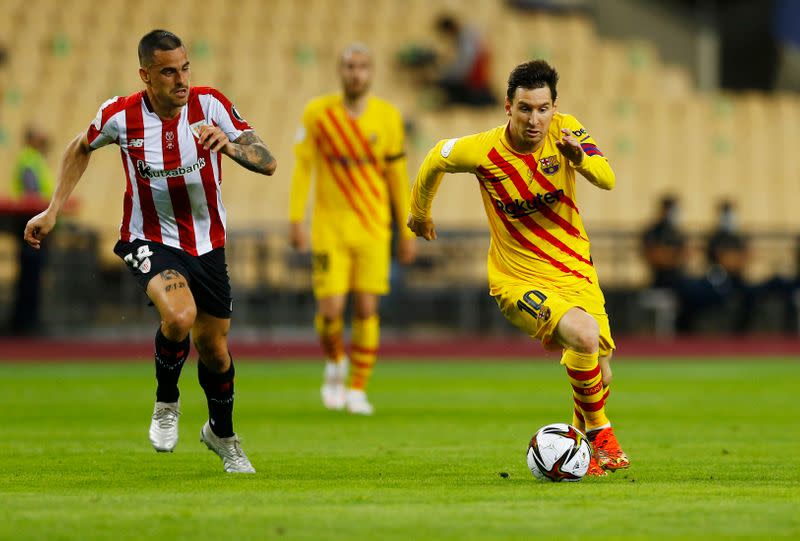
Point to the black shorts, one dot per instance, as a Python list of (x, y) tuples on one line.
[(207, 274)]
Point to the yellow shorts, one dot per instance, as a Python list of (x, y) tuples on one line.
[(339, 267), (537, 311)]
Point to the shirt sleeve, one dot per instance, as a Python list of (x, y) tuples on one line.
[(594, 167), (303, 166), (397, 173), (104, 128), (225, 115), (448, 156)]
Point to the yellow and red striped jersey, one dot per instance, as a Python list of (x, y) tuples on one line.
[(359, 165), (536, 228)]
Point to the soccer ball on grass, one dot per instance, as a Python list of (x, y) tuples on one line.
[(559, 452)]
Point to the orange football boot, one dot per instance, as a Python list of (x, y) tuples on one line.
[(607, 452), (594, 469)]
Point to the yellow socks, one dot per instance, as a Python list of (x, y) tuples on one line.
[(587, 388), (363, 351), (330, 337)]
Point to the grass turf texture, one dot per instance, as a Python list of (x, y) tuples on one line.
[(714, 449)]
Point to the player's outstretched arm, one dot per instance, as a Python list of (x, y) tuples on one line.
[(448, 156), (73, 164), (248, 150)]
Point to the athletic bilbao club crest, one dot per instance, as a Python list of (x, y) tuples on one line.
[(170, 138), (549, 165)]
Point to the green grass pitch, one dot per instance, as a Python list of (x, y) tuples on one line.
[(714, 445)]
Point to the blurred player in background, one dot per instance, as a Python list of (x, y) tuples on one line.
[(354, 144), (172, 137), (540, 269), (33, 178)]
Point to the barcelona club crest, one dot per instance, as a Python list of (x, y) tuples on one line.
[(549, 165)]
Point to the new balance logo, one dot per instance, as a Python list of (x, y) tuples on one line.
[(136, 143)]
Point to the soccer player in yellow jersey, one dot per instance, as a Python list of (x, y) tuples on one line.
[(540, 268), (354, 144)]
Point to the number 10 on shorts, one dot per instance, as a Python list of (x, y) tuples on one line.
[(531, 303)]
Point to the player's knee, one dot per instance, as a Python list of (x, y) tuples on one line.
[(213, 354), (330, 312), (364, 312), (177, 322), (365, 306), (587, 337)]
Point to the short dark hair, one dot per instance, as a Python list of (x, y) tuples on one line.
[(156, 40), (530, 75)]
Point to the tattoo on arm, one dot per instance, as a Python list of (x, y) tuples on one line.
[(249, 151)]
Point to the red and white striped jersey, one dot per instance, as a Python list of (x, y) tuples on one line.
[(173, 193)]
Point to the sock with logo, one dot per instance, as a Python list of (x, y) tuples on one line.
[(330, 333), (219, 395), (363, 350), (169, 357), (588, 393), (577, 417)]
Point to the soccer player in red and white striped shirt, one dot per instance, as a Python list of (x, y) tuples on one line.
[(172, 138)]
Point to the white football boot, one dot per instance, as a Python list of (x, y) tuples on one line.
[(333, 391), (164, 426), (356, 402), (229, 450)]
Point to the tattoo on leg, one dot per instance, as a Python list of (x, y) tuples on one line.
[(169, 274), (175, 286)]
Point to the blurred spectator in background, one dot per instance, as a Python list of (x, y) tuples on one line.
[(725, 285), (466, 79), (32, 175), (784, 289), (664, 246), (664, 250), (727, 248), (32, 178)]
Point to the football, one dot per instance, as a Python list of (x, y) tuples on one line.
[(559, 452)]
